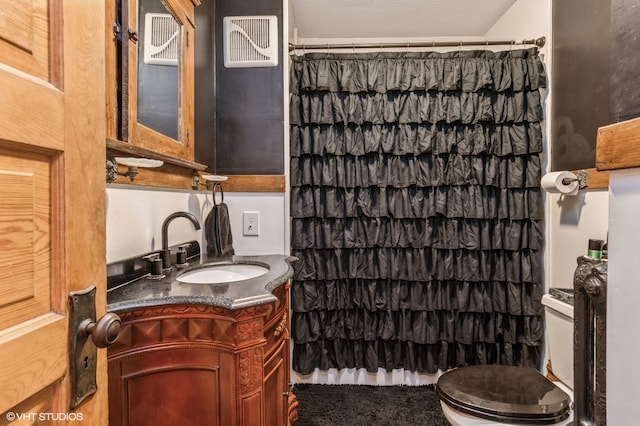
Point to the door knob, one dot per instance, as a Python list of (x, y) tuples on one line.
[(86, 335), (104, 332)]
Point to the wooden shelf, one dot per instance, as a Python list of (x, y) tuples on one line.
[(178, 173), (129, 149)]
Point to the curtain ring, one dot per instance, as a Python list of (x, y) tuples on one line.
[(213, 192), (328, 51)]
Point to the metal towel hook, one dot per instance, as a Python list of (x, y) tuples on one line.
[(213, 192), (214, 182)]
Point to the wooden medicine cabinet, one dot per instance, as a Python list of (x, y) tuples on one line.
[(150, 86)]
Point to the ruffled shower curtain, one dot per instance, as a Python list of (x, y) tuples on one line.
[(416, 210)]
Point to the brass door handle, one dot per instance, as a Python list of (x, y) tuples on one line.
[(104, 332)]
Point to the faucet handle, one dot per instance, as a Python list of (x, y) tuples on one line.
[(165, 256), (182, 255), (155, 265)]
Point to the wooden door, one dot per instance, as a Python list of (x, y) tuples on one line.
[(52, 200)]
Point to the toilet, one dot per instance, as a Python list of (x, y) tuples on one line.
[(483, 395)]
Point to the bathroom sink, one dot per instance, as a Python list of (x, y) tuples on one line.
[(222, 273)]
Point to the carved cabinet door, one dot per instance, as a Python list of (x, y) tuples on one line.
[(170, 386)]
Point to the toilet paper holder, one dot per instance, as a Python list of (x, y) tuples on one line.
[(582, 177)]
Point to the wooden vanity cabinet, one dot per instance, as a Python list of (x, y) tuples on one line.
[(203, 365), (280, 403)]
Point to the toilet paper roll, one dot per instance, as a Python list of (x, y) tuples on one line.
[(552, 183)]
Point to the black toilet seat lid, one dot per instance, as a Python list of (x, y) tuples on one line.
[(504, 394)]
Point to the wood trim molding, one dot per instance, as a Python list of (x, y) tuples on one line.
[(596, 179), (254, 183), (618, 145)]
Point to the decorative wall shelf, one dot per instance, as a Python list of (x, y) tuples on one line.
[(129, 149)]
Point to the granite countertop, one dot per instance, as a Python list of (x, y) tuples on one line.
[(143, 292)]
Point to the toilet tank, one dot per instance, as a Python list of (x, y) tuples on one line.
[(559, 333)]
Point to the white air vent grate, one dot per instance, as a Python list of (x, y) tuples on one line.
[(250, 41), (161, 39)]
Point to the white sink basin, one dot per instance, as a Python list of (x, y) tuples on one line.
[(222, 273)]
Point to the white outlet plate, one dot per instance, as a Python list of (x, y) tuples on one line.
[(251, 223)]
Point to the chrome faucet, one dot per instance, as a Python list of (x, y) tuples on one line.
[(166, 253)]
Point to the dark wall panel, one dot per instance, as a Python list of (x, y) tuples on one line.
[(625, 60), (249, 102), (580, 80)]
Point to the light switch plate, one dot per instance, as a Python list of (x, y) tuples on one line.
[(251, 223)]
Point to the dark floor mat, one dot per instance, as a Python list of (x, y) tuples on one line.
[(338, 405)]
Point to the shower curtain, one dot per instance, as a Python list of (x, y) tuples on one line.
[(416, 209)]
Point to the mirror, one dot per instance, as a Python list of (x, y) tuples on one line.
[(156, 103), (158, 79)]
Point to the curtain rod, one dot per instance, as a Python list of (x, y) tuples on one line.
[(538, 42)]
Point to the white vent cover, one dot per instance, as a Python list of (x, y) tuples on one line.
[(250, 41), (161, 39)]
